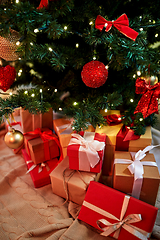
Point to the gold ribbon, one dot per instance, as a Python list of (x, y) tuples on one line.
[(122, 222), (12, 119)]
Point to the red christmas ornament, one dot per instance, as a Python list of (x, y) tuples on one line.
[(148, 103), (7, 77), (94, 74)]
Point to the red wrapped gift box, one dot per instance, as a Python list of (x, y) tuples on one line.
[(102, 204), (40, 178), (86, 151)]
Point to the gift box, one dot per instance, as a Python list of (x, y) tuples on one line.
[(15, 123), (41, 145), (115, 214), (86, 151), (30, 122), (71, 184), (40, 173), (111, 144), (62, 128), (143, 186)]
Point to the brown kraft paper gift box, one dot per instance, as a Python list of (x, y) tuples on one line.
[(123, 179), (35, 148), (64, 134), (73, 184), (32, 121)]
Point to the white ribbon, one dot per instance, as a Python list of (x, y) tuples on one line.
[(88, 155), (136, 168), (67, 127), (40, 167)]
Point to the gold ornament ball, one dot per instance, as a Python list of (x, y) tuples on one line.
[(152, 80), (13, 138)]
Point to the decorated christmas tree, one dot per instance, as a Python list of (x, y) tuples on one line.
[(81, 57)]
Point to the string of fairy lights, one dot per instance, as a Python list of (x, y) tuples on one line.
[(91, 23)]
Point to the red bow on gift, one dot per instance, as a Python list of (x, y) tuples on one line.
[(148, 103), (113, 119), (45, 136), (122, 24)]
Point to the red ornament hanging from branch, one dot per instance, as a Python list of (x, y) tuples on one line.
[(94, 74), (7, 77), (148, 103)]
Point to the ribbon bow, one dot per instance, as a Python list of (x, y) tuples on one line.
[(122, 24), (43, 4), (148, 103), (40, 167), (90, 148), (122, 222)]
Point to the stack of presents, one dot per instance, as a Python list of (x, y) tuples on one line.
[(108, 171)]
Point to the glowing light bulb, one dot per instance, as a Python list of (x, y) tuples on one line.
[(94, 58), (75, 103), (10, 93), (131, 100), (141, 29), (156, 35), (134, 76), (25, 92), (36, 30), (55, 90), (60, 109), (139, 73), (18, 43), (90, 23), (32, 95), (106, 67), (50, 49), (65, 27), (141, 119), (31, 43), (40, 90), (106, 110), (77, 45), (17, 1)]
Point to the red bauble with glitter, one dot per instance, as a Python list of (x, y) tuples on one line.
[(94, 74), (7, 77)]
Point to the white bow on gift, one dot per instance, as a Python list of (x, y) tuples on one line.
[(88, 149), (136, 168)]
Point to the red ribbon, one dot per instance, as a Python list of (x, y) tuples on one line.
[(43, 3), (113, 119), (45, 136), (124, 135), (122, 24), (148, 103), (15, 123)]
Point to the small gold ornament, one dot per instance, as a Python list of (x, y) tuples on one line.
[(151, 80), (14, 138)]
